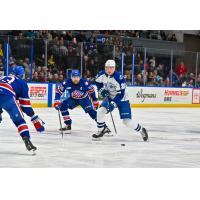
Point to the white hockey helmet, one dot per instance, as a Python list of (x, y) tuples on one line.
[(110, 63)]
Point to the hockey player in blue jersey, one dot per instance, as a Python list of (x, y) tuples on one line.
[(14, 99), (80, 93), (112, 88)]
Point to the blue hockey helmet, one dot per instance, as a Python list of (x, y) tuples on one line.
[(75, 72), (18, 71)]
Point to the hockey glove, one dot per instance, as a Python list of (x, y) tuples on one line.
[(38, 123), (57, 104), (103, 93), (96, 105), (111, 106)]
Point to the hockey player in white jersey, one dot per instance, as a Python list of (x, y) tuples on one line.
[(111, 86)]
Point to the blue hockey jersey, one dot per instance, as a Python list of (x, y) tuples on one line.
[(14, 86), (80, 91)]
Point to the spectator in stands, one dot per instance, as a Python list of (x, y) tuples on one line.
[(39, 69), (152, 61), (81, 37), (173, 78), (160, 70), (92, 38), (51, 61), (139, 80), (30, 34), (61, 78), (191, 80), (62, 48), (163, 35), (1, 51), (27, 67), (1, 66), (55, 78), (35, 77), (173, 38), (167, 82), (12, 63), (181, 69), (41, 77), (69, 36), (158, 78), (49, 77), (182, 82), (87, 75), (93, 67), (151, 80), (198, 81)]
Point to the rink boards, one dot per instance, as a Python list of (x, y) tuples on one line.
[(42, 95)]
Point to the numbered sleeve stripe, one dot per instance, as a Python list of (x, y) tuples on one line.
[(7, 87)]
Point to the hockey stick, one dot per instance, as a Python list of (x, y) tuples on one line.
[(112, 120), (60, 122), (113, 123)]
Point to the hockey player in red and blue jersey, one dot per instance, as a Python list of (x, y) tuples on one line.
[(80, 93), (14, 99)]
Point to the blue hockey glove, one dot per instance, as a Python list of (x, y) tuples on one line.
[(103, 93), (111, 106)]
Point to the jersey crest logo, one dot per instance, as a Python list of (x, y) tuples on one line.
[(76, 94)]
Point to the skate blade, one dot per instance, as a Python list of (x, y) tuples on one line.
[(32, 152), (96, 139), (108, 135), (65, 132)]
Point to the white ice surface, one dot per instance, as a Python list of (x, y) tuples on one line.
[(174, 141)]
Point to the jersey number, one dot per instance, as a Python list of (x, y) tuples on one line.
[(7, 79)]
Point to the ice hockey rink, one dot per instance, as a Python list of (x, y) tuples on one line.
[(174, 141)]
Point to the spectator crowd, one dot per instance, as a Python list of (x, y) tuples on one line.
[(90, 49)]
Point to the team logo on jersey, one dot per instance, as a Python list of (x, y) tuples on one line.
[(76, 94), (111, 87)]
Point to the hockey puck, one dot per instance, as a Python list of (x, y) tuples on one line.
[(123, 145)]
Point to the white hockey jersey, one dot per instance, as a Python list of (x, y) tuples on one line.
[(115, 85)]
